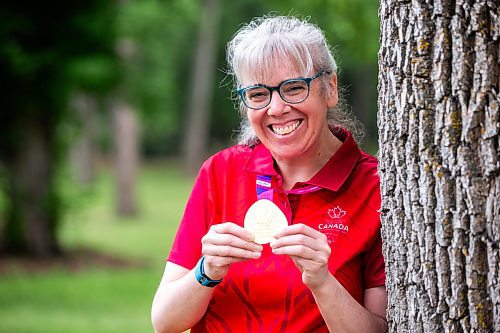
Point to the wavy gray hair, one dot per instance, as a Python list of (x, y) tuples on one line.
[(271, 41)]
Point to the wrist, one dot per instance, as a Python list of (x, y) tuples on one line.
[(202, 277), (323, 285)]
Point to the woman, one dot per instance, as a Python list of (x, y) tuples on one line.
[(325, 270)]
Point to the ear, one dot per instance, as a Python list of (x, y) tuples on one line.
[(332, 95)]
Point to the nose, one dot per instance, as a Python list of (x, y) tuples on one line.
[(277, 106)]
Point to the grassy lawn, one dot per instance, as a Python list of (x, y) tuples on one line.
[(102, 299)]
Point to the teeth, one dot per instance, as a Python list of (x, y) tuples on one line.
[(286, 129)]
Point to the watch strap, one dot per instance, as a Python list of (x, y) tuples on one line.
[(201, 277)]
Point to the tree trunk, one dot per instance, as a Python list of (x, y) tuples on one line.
[(202, 80), (31, 213), (439, 164), (83, 153), (126, 158)]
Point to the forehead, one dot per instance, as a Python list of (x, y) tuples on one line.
[(271, 71)]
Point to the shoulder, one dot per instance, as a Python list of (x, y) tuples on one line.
[(368, 163), (237, 154), (366, 180), (226, 162)]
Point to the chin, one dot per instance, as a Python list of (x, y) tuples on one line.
[(286, 153)]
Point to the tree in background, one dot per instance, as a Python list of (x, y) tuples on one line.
[(47, 51), (439, 163), (160, 80), (196, 130), (50, 54), (151, 42), (351, 26), (84, 150), (156, 78)]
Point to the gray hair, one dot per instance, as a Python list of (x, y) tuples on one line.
[(269, 41)]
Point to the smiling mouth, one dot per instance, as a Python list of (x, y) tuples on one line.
[(284, 130)]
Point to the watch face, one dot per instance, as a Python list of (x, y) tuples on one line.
[(206, 281)]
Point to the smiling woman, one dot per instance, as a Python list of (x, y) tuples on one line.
[(323, 269)]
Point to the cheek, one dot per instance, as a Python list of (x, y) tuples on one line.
[(255, 125), (254, 118), (251, 118)]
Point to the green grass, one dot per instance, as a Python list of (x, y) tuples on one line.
[(99, 299)]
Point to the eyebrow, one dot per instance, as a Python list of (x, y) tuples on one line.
[(268, 86)]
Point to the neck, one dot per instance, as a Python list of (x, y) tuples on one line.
[(304, 167)]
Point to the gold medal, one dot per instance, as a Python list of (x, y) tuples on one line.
[(264, 219)]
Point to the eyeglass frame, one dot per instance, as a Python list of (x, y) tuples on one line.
[(307, 80)]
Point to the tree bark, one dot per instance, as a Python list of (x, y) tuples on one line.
[(200, 101), (126, 158), (32, 212), (83, 153), (439, 164)]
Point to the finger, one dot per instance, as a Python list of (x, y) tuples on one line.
[(217, 261), (233, 229), (218, 236), (302, 235), (305, 256), (235, 241), (299, 229), (296, 239), (229, 251), (299, 251)]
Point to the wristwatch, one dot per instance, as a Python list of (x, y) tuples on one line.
[(202, 278)]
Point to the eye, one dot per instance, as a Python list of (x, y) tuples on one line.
[(257, 94), (294, 88)]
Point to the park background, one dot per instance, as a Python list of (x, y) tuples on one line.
[(108, 108)]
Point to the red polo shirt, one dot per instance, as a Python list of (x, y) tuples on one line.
[(267, 294)]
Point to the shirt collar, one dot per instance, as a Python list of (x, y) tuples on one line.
[(261, 161), (336, 171), (333, 174)]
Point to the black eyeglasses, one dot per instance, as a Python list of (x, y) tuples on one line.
[(291, 91)]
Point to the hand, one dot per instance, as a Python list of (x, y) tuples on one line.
[(308, 249), (224, 244)]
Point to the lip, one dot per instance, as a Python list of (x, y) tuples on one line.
[(285, 128)]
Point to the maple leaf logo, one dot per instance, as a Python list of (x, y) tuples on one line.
[(336, 213)]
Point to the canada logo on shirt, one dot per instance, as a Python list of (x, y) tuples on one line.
[(335, 224)]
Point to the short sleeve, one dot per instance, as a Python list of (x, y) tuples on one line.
[(186, 249), (374, 266)]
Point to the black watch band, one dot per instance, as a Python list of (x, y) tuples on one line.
[(202, 278)]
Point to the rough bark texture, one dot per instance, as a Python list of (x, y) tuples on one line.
[(439, 164)]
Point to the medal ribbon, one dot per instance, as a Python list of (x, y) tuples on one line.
[(263, 186)]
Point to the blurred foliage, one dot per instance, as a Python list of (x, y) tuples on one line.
[(154, 38), (48, 50), (160, 37), (108, 284), (142, 51)]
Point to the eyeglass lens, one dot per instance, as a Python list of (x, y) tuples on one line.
[(292, 91)]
